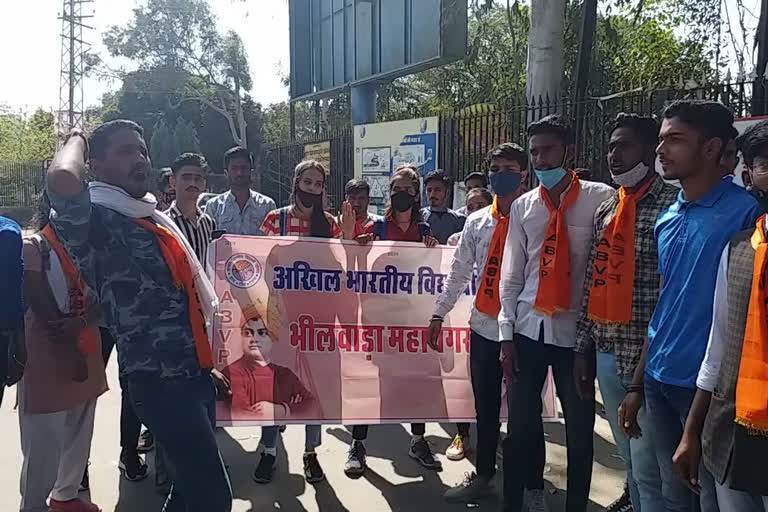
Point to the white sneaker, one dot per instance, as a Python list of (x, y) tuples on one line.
[(457, 450), (535, 500)]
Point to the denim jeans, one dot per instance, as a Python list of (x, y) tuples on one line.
[(731, 499), (523, 426), (639, 454), (667, 408), (312, 436), (179, 413)]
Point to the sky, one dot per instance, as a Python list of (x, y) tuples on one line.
[(31, 43)]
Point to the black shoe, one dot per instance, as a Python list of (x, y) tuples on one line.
[(265, 470), (132, 467), (85, 483), (312, 470), (146, 442), (421, 452), (623, 504), (355, 466), (282, 428)]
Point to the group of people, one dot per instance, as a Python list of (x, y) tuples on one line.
[(657, 291)]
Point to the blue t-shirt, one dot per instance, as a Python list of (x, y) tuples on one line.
[(11, 275), (691, 236)]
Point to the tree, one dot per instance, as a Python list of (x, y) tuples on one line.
[(25, 139), (545, 48), (214, 68)]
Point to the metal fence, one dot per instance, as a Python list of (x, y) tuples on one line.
[(466, 135), (21, 184)]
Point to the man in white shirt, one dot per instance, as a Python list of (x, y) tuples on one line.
[(542, 275), (508, 166)]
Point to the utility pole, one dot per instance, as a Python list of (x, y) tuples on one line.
[(73, 49)]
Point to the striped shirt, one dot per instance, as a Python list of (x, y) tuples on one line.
[(198, 232)]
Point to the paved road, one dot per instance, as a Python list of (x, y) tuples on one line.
[(393, 483)]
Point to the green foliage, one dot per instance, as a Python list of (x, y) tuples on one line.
[(166, 144), (30, 139)]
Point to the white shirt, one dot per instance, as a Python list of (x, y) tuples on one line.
[(471, 252), (528, 219)]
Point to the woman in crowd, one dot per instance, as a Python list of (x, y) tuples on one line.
[(63, 377), (402, 222), (305, 216)]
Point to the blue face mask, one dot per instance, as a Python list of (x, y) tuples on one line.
[(505, 183), (550, 177)]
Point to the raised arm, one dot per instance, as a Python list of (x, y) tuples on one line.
[(66, 175)]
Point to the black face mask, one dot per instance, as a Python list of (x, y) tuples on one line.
[(402, 201), (762, 198), (309, 200)]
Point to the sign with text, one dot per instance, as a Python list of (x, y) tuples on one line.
[(326, 331)]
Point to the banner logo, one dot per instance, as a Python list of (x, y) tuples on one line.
[(243, 270)]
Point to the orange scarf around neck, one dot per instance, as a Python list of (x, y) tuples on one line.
[(752, 384), (487, 300), (89, 341), (613, 270), (181, 272), (554, 293)]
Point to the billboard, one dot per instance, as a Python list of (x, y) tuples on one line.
[(337, 43), (380, 148)]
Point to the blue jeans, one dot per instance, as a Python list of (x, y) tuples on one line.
[(668, 407), (179, 412), (639, 454), (312, 436)]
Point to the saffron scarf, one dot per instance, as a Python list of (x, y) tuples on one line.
[(487, 300), (89, 341), (752, 384), (613, 270), (183, 277), (554, 293)]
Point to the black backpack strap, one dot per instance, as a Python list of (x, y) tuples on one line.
[(379, 229), (283, 220)]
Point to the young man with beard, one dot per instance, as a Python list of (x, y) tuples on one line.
[(481, 246), (728, 420), (358, 194), (690, 236), (546, 253), (155, 300), (442, 221), (620, 292), (189, 172), (240, 210)]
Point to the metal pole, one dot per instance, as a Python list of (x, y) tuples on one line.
[(363, 99), (71, 112)]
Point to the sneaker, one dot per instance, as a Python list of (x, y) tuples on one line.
[(457, 448), (623, 504), (265, 470), (421, 452), (535, 500), (85, 483), (312, 470), (355, 466), (76, 505), (472, 488), (146, 442), (133, 468)]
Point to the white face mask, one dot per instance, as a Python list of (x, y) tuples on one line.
[(632, 177)]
